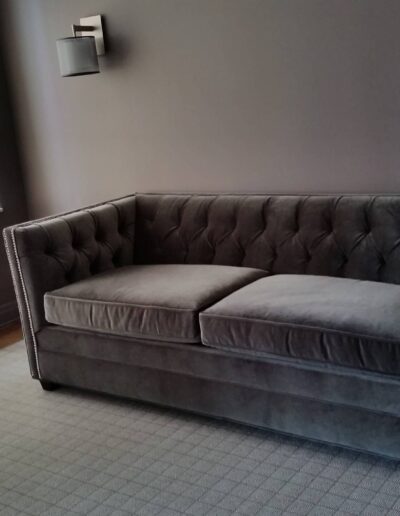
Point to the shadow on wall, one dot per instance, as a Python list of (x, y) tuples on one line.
[(118, 48)]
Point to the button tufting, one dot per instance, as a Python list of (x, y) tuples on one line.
[(311, 234)]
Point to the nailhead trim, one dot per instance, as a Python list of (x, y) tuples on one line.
[(20, 301)]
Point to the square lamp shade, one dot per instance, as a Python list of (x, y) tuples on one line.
[(77, 56)]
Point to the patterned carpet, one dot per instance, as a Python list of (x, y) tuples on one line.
[(69, 452)]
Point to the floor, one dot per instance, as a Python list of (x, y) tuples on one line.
[(10, 334), (68, 452)]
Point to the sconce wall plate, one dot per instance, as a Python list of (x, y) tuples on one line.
[(97, 31)]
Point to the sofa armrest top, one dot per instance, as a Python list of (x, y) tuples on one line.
[(55, 251)]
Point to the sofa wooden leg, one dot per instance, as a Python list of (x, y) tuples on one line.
[(48, 386)]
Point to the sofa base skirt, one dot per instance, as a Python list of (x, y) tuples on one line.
[(334, 423)]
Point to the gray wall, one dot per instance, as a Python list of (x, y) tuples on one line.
[(210, 95), (11, 198)]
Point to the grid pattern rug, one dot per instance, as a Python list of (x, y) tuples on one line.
[(70, 452)]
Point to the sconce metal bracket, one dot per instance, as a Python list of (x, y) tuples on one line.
[(94, 28)]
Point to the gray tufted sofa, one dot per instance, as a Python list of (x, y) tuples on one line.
[(275, 311)]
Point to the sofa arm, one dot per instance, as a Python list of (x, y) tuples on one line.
[(50, 253)]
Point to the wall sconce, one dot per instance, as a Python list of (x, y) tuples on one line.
[(78, 55)]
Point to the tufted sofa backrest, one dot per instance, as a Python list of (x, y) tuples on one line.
[(347, 236)]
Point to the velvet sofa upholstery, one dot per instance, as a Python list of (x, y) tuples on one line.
[(340, 321), (52, 252), (351, 403), (147, 301)]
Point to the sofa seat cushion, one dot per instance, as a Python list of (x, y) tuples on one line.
[(149, 301), (334, 320)]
